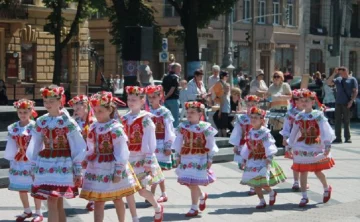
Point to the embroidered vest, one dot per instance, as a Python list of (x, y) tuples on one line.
[(22, 142), (194, 143), (310, 131), (159, 127), (245, 131), (104, 148), (257, 149), (135, 134), (56, 143)]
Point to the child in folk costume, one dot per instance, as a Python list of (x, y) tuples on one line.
[(261, 171), (108, 175), (195, 147), (241, 130), (56, 151), (165, 134), (83, 117), (140, 130), (19, 135), (310, 139)]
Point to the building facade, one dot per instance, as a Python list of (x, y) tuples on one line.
[(26, 50)]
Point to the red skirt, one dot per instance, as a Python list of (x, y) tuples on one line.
[(324, 164), (44, 191)]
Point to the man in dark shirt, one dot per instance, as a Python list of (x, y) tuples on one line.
[(346, 92), (171, 88)]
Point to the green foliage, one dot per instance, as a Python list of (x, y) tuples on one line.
[(132, 13)]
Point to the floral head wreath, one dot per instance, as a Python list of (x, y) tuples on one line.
[(26, 104), (153, 89), (56, 92), (305, 93), (296, 93), (194, 105), (78, 99), (135, 90), (105, 99), (252, 98), (257, 111)]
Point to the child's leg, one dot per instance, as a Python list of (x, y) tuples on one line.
[(296, 176), (272, 195), (61, 210), (38, 206), (153, 188), (162, 188), (321, 176), (98, 211), (132, 206), (53, 213), (150, 197), (303, 187), (120, 209), (195, 195), (259, 192), (25, 201)]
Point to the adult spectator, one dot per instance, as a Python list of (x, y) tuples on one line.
[(214, 78), (258, 86), (145, 75), (317, 79), (235, 105), (279, 92), (346, 92), (244, 85), (196, 90), (171, 88), (3, 96)]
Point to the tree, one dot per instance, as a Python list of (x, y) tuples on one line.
[(124, 13), (196, 14), (56, 26)]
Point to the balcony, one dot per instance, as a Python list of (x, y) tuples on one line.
[(10, 10)]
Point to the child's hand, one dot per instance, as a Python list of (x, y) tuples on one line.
[(116, 179), (167, 152), (209, 165), (285, 142), (77, 181)]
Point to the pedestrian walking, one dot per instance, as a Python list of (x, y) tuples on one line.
[(19, 135), (145, 74), (108, 175), (195, 147), (165, 135), (56, 151), (140, 130), (310, 139), (261, 170), (346, 93)]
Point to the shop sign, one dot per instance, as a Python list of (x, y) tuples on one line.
[(12, 65)]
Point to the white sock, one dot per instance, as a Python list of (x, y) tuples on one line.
[(38, 212), (271, 193), (202, 196), (27, 210), (163, 194), (194, 207), (135, 219), (296, 182), (304, 194), (262, 200), (157, 208), (326, 188)]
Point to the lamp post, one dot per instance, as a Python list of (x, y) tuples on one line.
[(227, 62)]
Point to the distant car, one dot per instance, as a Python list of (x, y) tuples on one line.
[(157, 82)]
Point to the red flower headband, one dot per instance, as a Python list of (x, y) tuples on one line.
[(305, 93), (153, 89), (55, 92), (296, 93), (26, 104), (105, 99), (257, 111), (252, 98), (135, 90), (195, 105), (78, 99)]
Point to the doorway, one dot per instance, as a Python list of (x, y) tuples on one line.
[(265, 65)]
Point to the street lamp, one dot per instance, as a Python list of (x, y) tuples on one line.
[(230, 69)]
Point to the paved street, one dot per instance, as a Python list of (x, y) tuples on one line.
[(228, 200)]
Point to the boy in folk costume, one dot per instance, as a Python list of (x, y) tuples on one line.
[(19, 135), (242, 127), (108, 175), (165, 134), (261, 171), (140, 130), (56, 151), (310, 139), (195, 147)]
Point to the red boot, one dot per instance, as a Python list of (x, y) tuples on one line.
[(162, 199), (37, 218), (303, 202), (161, 213), (90, 206), (327, 195), (273, 199), (23, 217), (261, 205), (203, 206), (192, 213)]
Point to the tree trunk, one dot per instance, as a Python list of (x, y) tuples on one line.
[(191, 33), (58, 47)]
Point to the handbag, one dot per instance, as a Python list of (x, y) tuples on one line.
[(349, 98)]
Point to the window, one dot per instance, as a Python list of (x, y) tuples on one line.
[(246, 12), (284, 60), (290, 16), (276, 12), (169, 10), (28, 53), (353, 63), (316, 61), (262, 11), (235, 13), (315, 14)]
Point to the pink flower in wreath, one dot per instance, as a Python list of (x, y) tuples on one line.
[(296, 153), (190, 165), (25, 172), (254, 169), (64, 169), (51, 170), (106, 179), (137, 164), (305, 153), (41, 170)]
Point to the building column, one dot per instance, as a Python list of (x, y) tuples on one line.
[(296, 62), (257, 63), (272, 64)]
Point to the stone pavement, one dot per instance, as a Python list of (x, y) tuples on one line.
[(228, 200)]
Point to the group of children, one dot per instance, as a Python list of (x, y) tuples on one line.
[(109, 157), (307, 137)]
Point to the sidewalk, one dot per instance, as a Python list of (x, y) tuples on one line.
[(228, 199)]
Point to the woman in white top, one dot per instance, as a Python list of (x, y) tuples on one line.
[(196, 89), (258, 86)]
